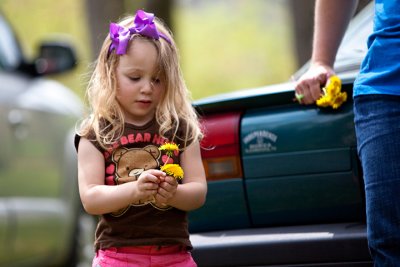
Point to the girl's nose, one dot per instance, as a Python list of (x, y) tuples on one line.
[(147, 87)]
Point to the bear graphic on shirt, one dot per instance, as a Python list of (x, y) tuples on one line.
[(130, 163)]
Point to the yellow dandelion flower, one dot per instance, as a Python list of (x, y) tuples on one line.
[(335, 81), (333, 86), (332, 95), (332, 90), (173, 170), (324, 101), (169, 148), (339, 100)]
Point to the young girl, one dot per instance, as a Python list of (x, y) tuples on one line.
[(138, 102)]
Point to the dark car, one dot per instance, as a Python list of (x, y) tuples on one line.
[(285, 184), (40, 212)]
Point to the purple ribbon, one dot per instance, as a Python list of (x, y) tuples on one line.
[(143, 25)]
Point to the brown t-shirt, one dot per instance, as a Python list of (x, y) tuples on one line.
[(142, 223)]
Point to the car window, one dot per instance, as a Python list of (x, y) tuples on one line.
[(10, 56)]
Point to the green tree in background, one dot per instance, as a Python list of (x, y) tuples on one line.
[(225, 45)]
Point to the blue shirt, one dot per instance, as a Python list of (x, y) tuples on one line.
[(380, 70)]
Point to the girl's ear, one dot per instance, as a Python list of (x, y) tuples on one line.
[(118, 154), (154, 151)]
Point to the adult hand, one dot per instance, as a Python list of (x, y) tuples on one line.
[(308, 87)]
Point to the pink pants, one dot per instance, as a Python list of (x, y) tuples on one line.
[(144, 256)]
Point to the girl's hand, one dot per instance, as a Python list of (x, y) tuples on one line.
[(166, 190), (148, 183)]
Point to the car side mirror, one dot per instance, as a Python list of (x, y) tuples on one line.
[(55, 57)]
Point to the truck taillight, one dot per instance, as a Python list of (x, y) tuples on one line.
[(220, 146)]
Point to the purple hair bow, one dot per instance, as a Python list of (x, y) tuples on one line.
[(143, 25)]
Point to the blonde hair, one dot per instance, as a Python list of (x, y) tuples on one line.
[(173, 112)]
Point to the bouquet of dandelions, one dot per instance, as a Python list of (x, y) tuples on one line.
[(332, 96), (174, 170)]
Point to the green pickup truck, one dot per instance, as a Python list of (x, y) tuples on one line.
[(285, 183)]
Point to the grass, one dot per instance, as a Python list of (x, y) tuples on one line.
[(225, 45)]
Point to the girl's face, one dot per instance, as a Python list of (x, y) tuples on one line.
[(139, 88)]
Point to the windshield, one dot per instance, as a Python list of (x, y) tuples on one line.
[(10, 56)]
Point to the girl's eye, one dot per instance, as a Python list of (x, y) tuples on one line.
[(134, 78), (156, 81)]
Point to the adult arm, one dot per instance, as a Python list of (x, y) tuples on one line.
[(331, 20)]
